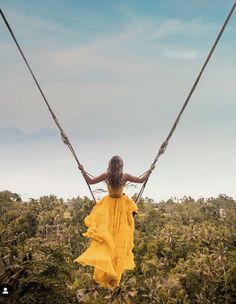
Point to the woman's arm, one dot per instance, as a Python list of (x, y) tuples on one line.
[(136, 179), (94, 180)]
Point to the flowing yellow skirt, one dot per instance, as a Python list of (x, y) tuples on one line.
[(110, 227)]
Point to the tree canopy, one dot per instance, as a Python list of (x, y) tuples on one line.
[(185, 252)]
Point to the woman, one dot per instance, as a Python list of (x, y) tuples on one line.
[(111, 226)]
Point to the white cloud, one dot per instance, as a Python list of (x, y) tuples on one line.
[(192, 29), (181, 54), (25, 23), (131, 33), (16, 135)]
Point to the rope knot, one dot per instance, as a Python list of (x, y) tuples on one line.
[(65, 138), (163, 147)]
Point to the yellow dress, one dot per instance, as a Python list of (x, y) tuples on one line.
[(110, 227)]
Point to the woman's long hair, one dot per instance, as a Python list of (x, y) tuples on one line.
[(115, 172)]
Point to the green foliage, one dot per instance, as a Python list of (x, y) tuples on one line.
[(185, 252), (8, 196), (48, 272)]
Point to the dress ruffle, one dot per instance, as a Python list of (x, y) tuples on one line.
[(110, 228)]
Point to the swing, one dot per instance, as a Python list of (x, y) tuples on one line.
[(165, 143)]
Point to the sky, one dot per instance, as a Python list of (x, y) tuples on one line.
[(116, 74)]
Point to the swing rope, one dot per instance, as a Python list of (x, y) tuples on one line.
[(63, 134), (165, 143)]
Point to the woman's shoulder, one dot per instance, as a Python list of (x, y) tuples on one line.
[(125, 177)]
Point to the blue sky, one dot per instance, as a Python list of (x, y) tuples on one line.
[(116, 74)]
